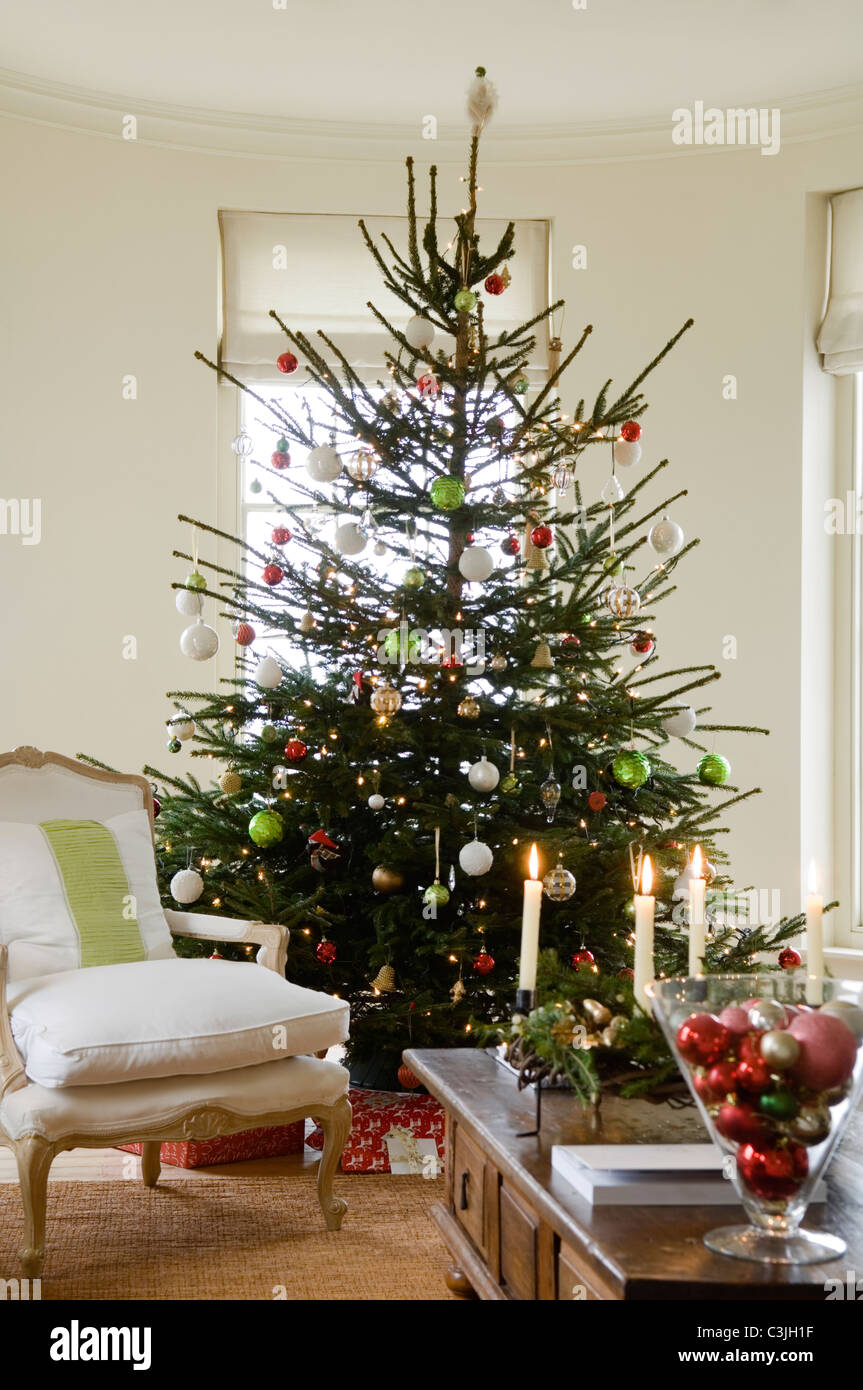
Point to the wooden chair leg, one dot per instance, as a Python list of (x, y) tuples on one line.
[(151, 1162), (33, 1156), (335, 1121)]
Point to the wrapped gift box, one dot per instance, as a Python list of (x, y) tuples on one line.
[(232, 1148), (397, 1125)]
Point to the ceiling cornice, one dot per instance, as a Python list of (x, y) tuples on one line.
[(244, 135)]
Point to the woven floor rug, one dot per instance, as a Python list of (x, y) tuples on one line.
[(242, 1238)]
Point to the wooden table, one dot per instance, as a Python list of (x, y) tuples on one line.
[(515, 1230)]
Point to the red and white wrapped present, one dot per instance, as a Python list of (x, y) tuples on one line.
[(392, 1132), (232, 1148)]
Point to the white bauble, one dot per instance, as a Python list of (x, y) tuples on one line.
[(419, 333), (268, 673), (323, 464), (189, 603), (380, 548), (377, 802), (307, 621), (475, 563), (681, 723), (475, 858), (350, 539), (626, 452), (199, 641), (183, 728), (666, 538), (483, 776), (186, 886)]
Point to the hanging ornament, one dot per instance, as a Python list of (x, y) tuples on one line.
[(386, 700), (280, 535), (419, 333), (542, 536), (542, 659), (407, 1079), (561, 478), (558, 884), (631, 431), (323, 464), (458, 991), (326, 951), (268, 673), (376, 802), (596, 801), (295, 750), (186, 886), (414, 577), (269, 733), (272, 575), (307, 622), (173, 745), (626, 453), (195, 581), (242, 444), (387, 880), (428, 386), (681, 722), (475, 858), (484, 963), (380, 548), (498, 662), (613, 565), (612, 492), (643, 644), (436, 893), (483, 776), (350, 539), (447, 493), (622, 601), (255, 486), (266, 828), (188, 603), (475, 564), (519, 383), (363, 465), (583, 959), (713, 770), (494, 284), (183, 727), (465, 301), (631, 768), (325, 855), (287, 362), (666, 538), (510, 545), (280, 459), (550, 795), (385, 980), (789, 959), (231, 782), (244, 635), (200, 642), (468, 708)]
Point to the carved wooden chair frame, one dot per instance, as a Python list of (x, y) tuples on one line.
[(34, 1154)]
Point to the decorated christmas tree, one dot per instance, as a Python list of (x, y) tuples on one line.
[(447, 653)]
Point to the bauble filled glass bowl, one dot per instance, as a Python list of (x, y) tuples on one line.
[(774, 1062)]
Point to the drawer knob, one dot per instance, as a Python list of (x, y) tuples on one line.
[(465, 1178)]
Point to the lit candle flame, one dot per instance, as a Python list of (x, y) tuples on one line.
[(813, 877), (697, 862), (646, 876), (533, 862)]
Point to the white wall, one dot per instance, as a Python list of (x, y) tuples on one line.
[(113, 250)]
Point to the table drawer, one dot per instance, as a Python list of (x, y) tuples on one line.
[(574, 1285), (519, 1246), (469, 1194)]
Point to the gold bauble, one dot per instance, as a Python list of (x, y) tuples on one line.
[(596, 1013), (622, 601), (386, 699), (387, 880), (230, 781), (469, 709), (363, 465), (385, 980), (498, 662)]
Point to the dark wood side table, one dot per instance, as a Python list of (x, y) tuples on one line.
[(516, 1231)]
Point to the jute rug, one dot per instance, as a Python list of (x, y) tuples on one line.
[(238, 1238)]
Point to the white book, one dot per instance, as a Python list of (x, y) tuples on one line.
[(659, 1175)]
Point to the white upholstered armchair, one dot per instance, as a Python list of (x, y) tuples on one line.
[(106, 1037)]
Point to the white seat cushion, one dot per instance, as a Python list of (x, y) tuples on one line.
[(165, 1018), (118, 1114)]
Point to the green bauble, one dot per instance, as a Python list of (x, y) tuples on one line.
[(269, 734), (519, 383), (195, 581), (510, 785), (255, 485), (282, 446), (393, 649), (631, 768), (713, 770), (465, 300), (780, 1105), (414, 578), (436, 893), (612, 564), (174, 745), (266, 828), (447, 493)]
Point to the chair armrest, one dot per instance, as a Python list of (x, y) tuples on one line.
[(12, 1074), (272, 938)]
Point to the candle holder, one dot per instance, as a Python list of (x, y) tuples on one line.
[(525, 1001)]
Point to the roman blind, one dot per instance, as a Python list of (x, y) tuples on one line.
[(841, 335), (317, 273)]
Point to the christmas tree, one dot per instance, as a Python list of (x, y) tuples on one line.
[(472, 668)]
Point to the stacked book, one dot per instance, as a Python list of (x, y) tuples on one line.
[(659, 1175)]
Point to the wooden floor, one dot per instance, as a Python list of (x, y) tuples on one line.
[(88, 1165)]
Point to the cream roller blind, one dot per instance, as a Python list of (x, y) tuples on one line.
[(841, 335)]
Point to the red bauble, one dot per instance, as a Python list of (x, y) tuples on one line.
[(569, 645), (627, 973), (753, 1075), (245, 634), (157, 806), (643, 644), (736, 1020), (484, 963), (217, 955), (494, 284), (510, 545), (408, 1079), (272, 574), (631, 431), (790, 959), (583, 957), (741, 1124), (596, 801), (542, 537), (702, 1039), (469, 538), (280, 459), (828, 1051), (721, 1079), (326, 952), (428, 386), (281, 535), (772, 1173), (287, 362), (295, 750)]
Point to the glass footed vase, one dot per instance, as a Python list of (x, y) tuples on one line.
[(775, 1064)]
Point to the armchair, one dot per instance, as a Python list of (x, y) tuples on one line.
[(207, 1093)]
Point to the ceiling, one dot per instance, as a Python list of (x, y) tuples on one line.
[(384, 64)]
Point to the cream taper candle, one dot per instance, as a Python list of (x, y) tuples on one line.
[(645, 904), (814, 940), (697, 889), (530, 925)]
